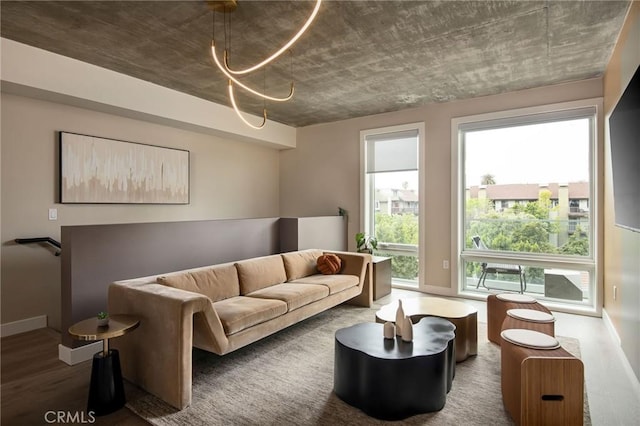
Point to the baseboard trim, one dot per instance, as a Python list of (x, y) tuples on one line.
[(73, 356), (609, 324), (432, 289), (635, 383), (22, 326)]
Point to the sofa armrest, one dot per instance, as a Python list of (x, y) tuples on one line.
[(360, 265), (157, 356)]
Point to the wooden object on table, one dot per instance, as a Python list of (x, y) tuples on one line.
[(106, 391), (499, 304), (541, 386), (462, 315), (381, 276)]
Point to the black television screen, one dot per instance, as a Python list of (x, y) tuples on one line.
[(624, 134)]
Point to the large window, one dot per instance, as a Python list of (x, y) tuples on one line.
[(391, 202), (526, 187)]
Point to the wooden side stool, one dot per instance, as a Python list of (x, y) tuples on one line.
[(542, 384), (499, 304), (530, 319)]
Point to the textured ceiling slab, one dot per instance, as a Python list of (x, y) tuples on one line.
[(358, 58)]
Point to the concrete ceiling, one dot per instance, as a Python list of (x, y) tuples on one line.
[(358, 58)]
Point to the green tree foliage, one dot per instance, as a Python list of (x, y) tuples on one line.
[(477, 207), (397, 228), (522, 228), (404, 267), (488, 179), (401, 229), (578, 243)]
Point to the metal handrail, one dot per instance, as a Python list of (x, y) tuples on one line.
[(47, 240), (400, 247)]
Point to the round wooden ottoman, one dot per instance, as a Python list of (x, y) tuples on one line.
[(499, 304), (530, 319), (542, 384)]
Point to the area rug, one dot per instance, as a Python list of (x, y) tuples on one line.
[(287, 379)]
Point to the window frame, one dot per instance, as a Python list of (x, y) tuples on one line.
[(367, 209), (531, 115)]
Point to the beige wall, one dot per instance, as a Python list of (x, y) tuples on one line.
[(622, 247), (323, 171), (229, 179)]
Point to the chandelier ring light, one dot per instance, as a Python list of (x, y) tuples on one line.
[(244, 120), (229, 5), (280, 51), (244, 86)]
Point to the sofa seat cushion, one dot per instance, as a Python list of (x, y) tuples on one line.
[(336, 283), (238, 313), (216, 282), (260, 272), (302, 263), (295, 295)]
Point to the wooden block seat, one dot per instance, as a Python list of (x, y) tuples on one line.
[(499, 304), (529, 319), (542, 383)]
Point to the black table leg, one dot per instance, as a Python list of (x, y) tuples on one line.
[(106, 393)]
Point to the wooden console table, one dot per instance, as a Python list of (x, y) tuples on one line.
[(381, 276)]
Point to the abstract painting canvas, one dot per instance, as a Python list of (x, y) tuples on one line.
[(100, 170)]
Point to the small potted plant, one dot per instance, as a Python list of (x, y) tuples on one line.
[(366, 243), (103, 319)]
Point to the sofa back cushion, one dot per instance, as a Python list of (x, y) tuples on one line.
[(300, 264), (260, 272), (218, 282)]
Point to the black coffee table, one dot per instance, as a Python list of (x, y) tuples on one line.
[(392, 379)]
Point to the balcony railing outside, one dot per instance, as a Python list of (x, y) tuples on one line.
[(570, 285), (403, 210), (404, 262)]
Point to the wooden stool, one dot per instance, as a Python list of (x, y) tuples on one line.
[(499, 304), (542, 384), (530, 319)]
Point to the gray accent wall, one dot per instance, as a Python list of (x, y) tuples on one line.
[(93, 256)]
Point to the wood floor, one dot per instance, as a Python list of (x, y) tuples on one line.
[(34, 381)]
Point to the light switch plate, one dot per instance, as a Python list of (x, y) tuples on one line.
[(53, 214)]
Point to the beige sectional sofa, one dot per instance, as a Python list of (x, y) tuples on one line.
[(221, 308)]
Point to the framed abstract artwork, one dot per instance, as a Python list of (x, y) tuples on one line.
[(97, 170)]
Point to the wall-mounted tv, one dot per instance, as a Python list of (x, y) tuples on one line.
[(624, 133)]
